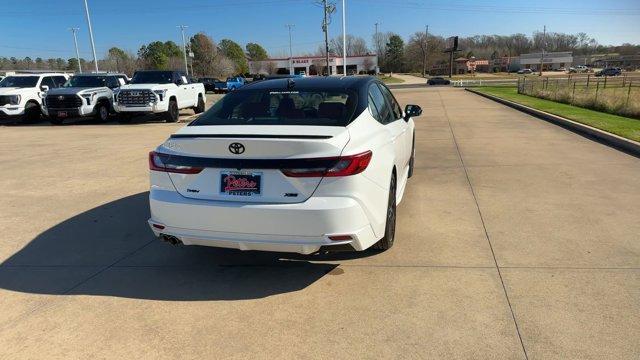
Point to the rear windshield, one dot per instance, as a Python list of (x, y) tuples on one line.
[(86, 81), (19, 81), (265, 107), (152, 77)]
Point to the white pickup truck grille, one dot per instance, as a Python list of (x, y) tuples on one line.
[(136, 97)]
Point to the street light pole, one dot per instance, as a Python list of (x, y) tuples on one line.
[(426, 49), (325, 28), (93, 45), (184, 49), (75, 42), (544, 40), (290, 49), (344, 39)]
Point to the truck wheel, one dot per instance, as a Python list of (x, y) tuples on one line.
[(102, 112), (200, 107), (173, 114), (31, 112)]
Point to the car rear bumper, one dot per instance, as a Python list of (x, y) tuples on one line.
[(302, 227)]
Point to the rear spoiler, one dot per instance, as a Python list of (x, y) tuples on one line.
[(249, 136)]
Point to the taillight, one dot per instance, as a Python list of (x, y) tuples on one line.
[(341, 166), (156, 164)]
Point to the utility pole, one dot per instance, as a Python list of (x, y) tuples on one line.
[(75, 42), (290, 49), (426, 48), (328, 9), (344, 40), (376, 40), (184, 48), (377, 44), (93, 45), (544, 45)]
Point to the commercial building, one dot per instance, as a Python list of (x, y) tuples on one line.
[(315, 65), (550, 61)]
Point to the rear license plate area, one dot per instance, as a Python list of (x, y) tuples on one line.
[(240, 183)]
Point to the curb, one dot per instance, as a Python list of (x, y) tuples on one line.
[(609, 139)]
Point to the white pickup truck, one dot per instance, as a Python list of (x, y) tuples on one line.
[(21, 94), (84, 95), (158, 92)]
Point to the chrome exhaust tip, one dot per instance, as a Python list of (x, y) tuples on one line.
[(170, 239)]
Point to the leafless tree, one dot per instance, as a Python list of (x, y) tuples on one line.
[(355, 46), (271, 67)]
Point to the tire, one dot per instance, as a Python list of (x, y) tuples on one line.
[(413, 156), (173, 114), (200, 107), (32, 112), (102, 112), (390, 227)]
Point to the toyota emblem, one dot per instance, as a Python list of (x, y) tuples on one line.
[(236, 148), (60, 97)]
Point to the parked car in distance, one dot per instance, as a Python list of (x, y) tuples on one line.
[(21, 94), (283, 76), (158, 92), (234, 83), (525, 71), (282, 165), (438, 80), (579, 69), (214, 85), (611, 71), (84, 95)]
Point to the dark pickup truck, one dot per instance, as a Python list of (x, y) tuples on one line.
[(214, 85)]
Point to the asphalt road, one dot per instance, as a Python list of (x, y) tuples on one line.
[(516, 239)]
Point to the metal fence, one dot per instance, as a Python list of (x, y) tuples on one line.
[(618, 95)]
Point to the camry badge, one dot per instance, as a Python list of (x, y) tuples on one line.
[(236, 148)]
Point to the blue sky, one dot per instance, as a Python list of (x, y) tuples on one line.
[(40, 27)]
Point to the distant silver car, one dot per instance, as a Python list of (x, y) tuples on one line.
[(525, 71)]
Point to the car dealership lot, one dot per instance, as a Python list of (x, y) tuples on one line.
[(514, 235)]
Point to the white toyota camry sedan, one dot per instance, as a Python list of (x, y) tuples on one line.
[(290, 165)]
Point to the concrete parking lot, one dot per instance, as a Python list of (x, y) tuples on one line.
[(517, 239)]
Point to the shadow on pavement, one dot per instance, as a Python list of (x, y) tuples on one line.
[(109, 250)]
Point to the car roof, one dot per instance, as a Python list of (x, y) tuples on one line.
[(314, 82), (99, 74), (37, 74)]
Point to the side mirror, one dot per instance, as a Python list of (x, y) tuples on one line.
[(44, 88), (179, 82), (412, 111)]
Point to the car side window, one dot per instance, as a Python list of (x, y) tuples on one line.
[(48, 81), (380, 103), (59, 80), (112, 82), (373, 108), (395, 107)]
